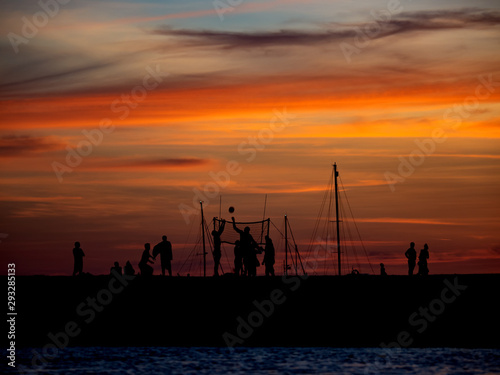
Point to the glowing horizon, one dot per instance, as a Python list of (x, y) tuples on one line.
[(115, 114)]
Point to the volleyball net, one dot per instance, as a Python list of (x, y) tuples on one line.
[(258, 229)]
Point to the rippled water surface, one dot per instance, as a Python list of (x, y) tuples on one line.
[(156, 360)]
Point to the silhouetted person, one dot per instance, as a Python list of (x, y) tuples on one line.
[(116, 268), (422, 261), (129, 270), (411, 255), (269, 257), (252, 262), (382, 270), (164, 248), (146, 269), (248, 247), (217, 244), (238, 259), (78, 255)]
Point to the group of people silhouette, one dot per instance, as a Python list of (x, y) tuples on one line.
[(246, 262), (164, 249), (245, 252), (129, 269), (411, 255)]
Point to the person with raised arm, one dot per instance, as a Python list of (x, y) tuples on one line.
[(249, 249), (217, 244)]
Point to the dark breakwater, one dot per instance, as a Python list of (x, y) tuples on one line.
[(348, 311)]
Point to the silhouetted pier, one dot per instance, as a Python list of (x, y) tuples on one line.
[(317, 311)]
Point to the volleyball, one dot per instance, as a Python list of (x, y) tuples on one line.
[(231, 209)]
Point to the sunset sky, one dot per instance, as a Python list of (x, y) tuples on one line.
[(117, 117)]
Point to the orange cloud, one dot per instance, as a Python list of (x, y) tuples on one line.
[(250, 106)]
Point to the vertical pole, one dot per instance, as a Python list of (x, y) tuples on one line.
[(203, 237), (336, 174), (286, 246), (263, 217), (296, 258)]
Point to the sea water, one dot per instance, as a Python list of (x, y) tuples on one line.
[(185, 361)]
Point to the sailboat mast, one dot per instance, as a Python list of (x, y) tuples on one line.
[(336, 174), (203, 237), (286, 246)]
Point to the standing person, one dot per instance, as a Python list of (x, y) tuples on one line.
[(422, 261), (78, 255), (116, 268), (217, 243), (164, 248), (238, 258), (248, 247), (269, 257), (146, 269), (411, 255), (382, 270), (252, 262)]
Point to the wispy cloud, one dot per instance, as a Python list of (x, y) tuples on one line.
[(245, 7), (400, 220), (404, 23), (147, 163), (59, 75), (13, 145), (38, 199), (232, 39), (172, 163)]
